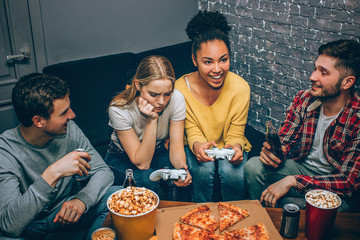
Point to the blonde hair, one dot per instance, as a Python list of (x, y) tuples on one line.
[(150, 68)]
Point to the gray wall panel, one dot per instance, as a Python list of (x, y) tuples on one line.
[(69, 30), (88, 28)]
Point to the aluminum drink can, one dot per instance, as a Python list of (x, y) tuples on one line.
[(290, 221), (78, 177)]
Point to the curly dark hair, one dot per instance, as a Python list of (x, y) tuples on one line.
[(34, 94), (208, 26)]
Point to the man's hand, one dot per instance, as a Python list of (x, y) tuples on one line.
[(147, 109), (72, 163), (70, 212), (238, 156), (187, 180), (277, 190), (268, 158), (199, 150)]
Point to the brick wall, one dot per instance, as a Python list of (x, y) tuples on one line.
[(275, 42)]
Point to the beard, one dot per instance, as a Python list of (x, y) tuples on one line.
[(331, 92)]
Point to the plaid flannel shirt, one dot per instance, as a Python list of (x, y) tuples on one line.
[(341, 143)]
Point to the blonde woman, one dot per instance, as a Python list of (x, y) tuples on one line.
[(143, 117)]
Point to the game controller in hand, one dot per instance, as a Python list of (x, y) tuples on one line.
[(224, 153), (166, 174)]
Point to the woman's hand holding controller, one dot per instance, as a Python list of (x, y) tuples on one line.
[(199, 150)]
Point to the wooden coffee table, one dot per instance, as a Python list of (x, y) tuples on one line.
[(347, 225)]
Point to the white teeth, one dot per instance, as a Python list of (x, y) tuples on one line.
[(314, 85), (216, 77)]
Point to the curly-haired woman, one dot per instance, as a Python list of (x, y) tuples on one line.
[(217, 104)]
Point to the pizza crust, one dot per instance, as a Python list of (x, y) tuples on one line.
[(187, 232), (254, 232)]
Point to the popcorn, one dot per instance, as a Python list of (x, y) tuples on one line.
[(103, 234), (323, 199), (103, 237), (133, 201)]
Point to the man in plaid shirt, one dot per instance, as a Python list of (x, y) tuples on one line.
[(320, 136)]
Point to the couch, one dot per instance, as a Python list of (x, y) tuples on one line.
[(95, 81)]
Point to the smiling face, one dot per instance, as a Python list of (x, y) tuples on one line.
[(213, 63), (57, 123), (157, 93), (325, 80)]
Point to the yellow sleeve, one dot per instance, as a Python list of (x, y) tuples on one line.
[(192, 132), (239, 111)]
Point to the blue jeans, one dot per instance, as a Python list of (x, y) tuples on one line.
[(118, 161), (231, 179), (93, 219)]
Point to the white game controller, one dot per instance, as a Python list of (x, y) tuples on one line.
[(224, 153), (166, 174)]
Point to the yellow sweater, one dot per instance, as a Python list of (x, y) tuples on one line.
[(224, 121)]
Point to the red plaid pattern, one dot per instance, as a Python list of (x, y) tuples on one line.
[(341, 142)]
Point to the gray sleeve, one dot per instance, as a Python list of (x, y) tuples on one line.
[(101, 177), (13, 204)]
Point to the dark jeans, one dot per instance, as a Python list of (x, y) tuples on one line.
[(259, 177), (118, 161), (91, 220), (231, 179)]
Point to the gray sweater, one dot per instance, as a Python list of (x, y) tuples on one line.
[(25, 196)]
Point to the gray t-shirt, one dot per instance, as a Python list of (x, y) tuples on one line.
[(316, 155), (24, 194), (129, 117)]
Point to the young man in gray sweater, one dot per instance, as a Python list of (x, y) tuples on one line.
[(39, 193)]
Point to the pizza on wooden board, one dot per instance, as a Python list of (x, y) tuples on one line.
[(229, 215), (201, 217), (187, 232), (254, 232)]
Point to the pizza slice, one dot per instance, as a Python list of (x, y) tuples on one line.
[(186, 232), (254, 232), (201, 217), (229, 215)]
